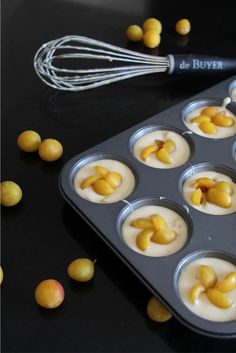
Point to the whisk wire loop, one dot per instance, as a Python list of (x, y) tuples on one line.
[(70, 79)]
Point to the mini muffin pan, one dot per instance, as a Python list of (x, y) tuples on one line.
[(208, 235)]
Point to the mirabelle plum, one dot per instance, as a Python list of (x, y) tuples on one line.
[(101, 171), (151, 38), (164, 156), (29, 141), (102, 187), (218, 298), (224, 186), (196, 291), (1, 275), (209, 111), (10, 193), (158, 222), (208, 127), (50, 150), (154, 24), (142, 223), (200, 118), (218, 197), (134, 33), (229, 283), (196, 197), (204, 182), (147, 151), (207, 276), (223, 120), (143, 239), (114, 179), (89, 181), (183, 26), (164, 236), (81, 270), (156, 311), (169, 146), (49, 294)]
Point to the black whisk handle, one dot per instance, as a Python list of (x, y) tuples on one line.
[(192, 63)]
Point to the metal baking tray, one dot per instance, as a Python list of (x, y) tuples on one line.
[(208, 235)]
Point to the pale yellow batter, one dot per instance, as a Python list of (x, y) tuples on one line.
[(173, 220), (179, 156), (123, 191), (222, 132), (209, 208), (203, 307)]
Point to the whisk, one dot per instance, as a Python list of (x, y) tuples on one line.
[(136, 64)]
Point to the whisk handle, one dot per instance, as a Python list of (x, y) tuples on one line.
[(192, 63)]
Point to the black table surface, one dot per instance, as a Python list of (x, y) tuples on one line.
[(42, 234)]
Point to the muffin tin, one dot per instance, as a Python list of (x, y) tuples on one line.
[(208, 235)]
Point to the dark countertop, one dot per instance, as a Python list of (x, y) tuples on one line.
[(42, 234)]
